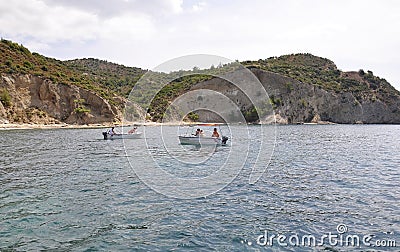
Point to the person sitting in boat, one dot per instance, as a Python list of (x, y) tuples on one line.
[(201, 133), (132, 131), (111, 131), (198, 132), (215, 133)]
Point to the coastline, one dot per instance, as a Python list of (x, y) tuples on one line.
[(28, 126), (25, 126)]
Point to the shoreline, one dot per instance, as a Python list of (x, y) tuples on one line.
[(26, 126)]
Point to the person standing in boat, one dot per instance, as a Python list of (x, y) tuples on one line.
[(215, 133), (111, 131)]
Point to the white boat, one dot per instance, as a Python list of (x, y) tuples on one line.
[(201, 140), (122, 136), (199, 137)]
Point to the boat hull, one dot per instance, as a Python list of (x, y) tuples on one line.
[(194, 140), (122, 136)]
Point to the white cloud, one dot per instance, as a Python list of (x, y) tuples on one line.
[(41, 23), (128, 28), (110, 8), (199, 6), (176, 5)]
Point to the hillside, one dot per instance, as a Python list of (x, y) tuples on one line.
[(117, 78), (323, 73), (38, 89), (302, 88), (306, 88), (296, 102)]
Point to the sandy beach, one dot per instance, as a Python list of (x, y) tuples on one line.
[(13, 126)]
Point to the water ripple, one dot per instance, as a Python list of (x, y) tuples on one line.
[(70, 190)]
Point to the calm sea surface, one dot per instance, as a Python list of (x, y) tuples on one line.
[(67, 189)]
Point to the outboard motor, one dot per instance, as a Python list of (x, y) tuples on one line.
[(224, 140), (105, 135)]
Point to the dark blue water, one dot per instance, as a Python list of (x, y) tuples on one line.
[(68, 189)]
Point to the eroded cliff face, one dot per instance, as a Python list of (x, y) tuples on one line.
[(38, 100), (297, 102)]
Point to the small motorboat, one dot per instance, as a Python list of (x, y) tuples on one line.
[(199, 138), (122, 136)]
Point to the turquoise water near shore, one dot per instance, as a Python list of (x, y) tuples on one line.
[(67, 189)]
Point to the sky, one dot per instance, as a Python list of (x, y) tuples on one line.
[(355, 34)]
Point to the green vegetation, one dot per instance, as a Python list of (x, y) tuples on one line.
[(289, 86), (303, 103), (192, 116), (80, 107), (275, 102), (305, 68), (321, 72), (114, 78), (5, 98), (172, 90), (251, 115), (177, 83)]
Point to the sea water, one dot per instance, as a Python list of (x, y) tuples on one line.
[(67, 189)]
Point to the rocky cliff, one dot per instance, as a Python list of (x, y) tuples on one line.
[(34, 99), (296, 102), (36, 89)]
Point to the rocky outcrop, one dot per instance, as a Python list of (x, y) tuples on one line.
[(3, 114), (297, 102), (302, 102), (36, 99)]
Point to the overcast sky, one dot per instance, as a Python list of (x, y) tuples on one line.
[(354, 34)]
